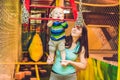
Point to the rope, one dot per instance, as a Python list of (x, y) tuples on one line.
[(25, 14), (80, 20)]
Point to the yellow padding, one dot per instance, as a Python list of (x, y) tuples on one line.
[(36, 48), (88, 73)]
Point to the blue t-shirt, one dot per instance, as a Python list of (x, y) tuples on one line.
[(70, 55)]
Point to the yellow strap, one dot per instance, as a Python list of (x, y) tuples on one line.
[(59, 3), (37, 72), (17, 68), (118, 75), (97, 5), (100, 5), (26, 63)]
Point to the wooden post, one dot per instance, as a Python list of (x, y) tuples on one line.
[(60, 3)]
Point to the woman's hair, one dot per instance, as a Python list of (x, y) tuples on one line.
[(83, 39)]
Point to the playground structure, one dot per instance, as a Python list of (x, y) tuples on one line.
[(38, 15)]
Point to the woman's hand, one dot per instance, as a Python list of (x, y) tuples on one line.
[(49, 24), (65, 62)]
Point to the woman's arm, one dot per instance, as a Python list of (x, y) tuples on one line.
[(83, 61), (49, 24)]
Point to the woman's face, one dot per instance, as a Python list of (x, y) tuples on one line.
[(76, 31)]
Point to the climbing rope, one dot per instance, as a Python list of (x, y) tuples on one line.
[(80, 20), (25, 14)]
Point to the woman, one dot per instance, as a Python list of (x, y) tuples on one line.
[(76, 47)]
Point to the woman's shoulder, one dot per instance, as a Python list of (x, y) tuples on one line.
[(77, 46)]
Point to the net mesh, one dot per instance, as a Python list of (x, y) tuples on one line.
[(9, 37), (102, 15)]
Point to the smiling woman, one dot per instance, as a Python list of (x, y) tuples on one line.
[(76, 47)]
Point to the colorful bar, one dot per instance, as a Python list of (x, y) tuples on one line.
[(74, 9), (39, 6), (50, 19)]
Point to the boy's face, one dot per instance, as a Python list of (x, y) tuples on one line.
[(58, 13)]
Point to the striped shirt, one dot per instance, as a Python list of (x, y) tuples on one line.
[(58, 30)]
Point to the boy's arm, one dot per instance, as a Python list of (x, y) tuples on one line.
[(65, 25)]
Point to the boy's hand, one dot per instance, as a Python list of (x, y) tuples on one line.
[(65, 62), (50, 60)]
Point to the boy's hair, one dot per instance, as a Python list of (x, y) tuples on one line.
[(55, 9)]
